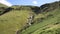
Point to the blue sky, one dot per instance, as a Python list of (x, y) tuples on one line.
[(26, 2), (30, 2)]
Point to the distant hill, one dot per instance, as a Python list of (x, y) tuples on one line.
[(2, 5), (30, 19)]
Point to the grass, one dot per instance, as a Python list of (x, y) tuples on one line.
[(2, 5), (35, 29), (13, 21)]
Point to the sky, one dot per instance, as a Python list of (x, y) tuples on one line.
[(26, 2)]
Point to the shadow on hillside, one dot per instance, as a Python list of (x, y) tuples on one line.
[(6, 10)]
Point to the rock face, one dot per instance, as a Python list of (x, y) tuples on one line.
[(30, 19)]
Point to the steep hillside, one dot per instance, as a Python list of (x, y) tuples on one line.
[(13, 21), (2, 5), (30, 19), (2, 8), (47, 21)]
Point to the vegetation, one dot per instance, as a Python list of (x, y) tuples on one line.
[(15, 19)]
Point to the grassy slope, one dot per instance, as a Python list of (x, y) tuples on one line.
[(2, 5), (37, 28), (13, 21), (51, 26), (2, 8)]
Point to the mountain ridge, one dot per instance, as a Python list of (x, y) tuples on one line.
[(37, 9)]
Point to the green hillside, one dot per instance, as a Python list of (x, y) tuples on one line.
[(16, 19), (13, 21), (2, 8), (2, 5), (47, 24)]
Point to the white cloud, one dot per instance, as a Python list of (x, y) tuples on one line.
[(35, 2), (5, 2)]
